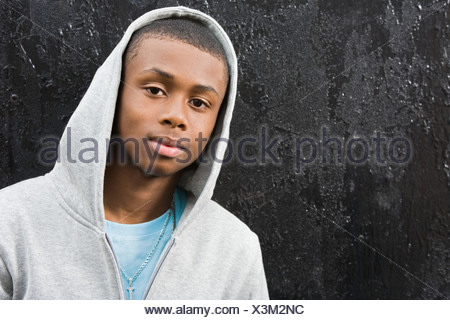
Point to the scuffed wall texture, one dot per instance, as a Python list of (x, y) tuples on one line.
[(354, 68)]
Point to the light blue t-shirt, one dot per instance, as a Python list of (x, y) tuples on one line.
[(133, 242)]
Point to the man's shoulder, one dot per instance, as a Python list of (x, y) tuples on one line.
[(23, 197), (22, 190), (226, 223)]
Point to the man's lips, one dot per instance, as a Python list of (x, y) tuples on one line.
[(166, 146)]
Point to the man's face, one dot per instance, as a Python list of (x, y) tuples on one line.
[(171, 95)]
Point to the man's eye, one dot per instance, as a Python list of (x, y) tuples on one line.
[(198, 103), (155, 91)]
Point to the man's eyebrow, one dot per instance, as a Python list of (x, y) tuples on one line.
[(160, 72), (165, 74), (206, 88)]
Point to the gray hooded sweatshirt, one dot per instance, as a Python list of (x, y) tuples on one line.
[(52, 239)]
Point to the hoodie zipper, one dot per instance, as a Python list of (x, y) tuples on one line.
[(122, 295), (158, 266)]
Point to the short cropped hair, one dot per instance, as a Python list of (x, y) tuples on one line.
[(181, 29)]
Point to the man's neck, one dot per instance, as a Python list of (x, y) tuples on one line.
[(131, 197)]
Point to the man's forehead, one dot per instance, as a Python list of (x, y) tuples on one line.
[(166, 47)]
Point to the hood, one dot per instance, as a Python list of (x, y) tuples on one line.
[(80, 183)]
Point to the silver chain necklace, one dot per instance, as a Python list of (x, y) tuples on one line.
[(130, 288)]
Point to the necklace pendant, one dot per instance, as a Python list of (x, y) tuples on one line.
[(130, 288)]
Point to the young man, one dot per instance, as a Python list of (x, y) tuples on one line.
[(133, 218)]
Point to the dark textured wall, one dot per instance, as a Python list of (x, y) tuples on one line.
[(354, 68)]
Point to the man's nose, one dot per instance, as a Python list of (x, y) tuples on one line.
[(174, 114)]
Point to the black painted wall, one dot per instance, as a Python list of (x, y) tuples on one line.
[(354, 68)]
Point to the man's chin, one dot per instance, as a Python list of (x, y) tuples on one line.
[(158, 170)]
